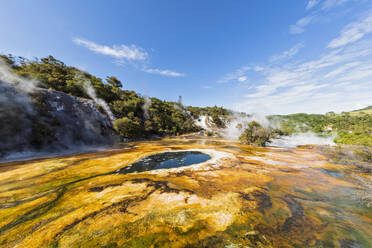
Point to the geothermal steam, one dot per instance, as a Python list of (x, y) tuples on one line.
[(307, 138), (233, 130), (63, 124), (146, 106), (16, 109), (92, 93)]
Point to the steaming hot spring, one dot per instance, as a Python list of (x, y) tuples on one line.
[(189, 191)]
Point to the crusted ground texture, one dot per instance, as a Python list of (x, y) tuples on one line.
[(242, 197)]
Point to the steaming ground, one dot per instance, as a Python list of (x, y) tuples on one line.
[(67, 124), (36, 122), (202, 122), (232, 131), (302, 139), (92, 93), (243, 196)]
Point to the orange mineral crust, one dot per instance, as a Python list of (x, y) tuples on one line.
[(242, 196)]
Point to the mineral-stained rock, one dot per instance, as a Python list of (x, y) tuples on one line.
[(49, 121)]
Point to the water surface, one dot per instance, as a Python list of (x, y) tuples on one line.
[(165, 160)]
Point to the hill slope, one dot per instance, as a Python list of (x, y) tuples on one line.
[(46, 105)]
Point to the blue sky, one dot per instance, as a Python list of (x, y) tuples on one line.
[(256, 56)]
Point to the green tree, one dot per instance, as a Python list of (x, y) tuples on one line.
[(113, 81), (255, 134), (128, 128)]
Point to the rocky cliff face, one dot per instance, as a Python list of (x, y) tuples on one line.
[(40, 120)]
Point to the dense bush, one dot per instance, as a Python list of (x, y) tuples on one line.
[(196, 112), (354, 138), (255, 134), (128, 128), (159, 117), (351, 128)]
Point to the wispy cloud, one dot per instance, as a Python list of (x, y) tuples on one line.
[(234, 76), (126, 53), (164, 72), (311, 4), (315, 14), (353, 32), (242, 79), (328, 4), (338, 80), (258, 68), (342, 69), (300, 25), (129, 53), (287, 54)]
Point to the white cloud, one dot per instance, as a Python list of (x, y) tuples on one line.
[(300, 25), (287, 54), (234, 75), (353, 32), (164, 72), (124, 53), (258, 68), (338, 80), (326, 7), (128, 53), (242, 79), (328, 4), (311, 4), (342, 69), (207, 87)]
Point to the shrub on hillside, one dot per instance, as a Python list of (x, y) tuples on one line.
[(255, 135), (128, 128)]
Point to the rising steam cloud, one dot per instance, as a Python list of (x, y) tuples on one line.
[(16, 109), (299, 139), (92, 93), (64, 124), (238, 123), (232, 131), (146, 106), (21, 84)]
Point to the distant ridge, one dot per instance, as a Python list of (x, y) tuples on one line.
[(366, 108)]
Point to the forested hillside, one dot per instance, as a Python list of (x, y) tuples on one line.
[(350, 128), (142, 117), (136, 116)]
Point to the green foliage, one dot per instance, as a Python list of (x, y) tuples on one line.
[(8, 59), (114, 82), (196, 112), (164, 118), (354, 139), (128, 128), (351, 129), (255, 134)]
